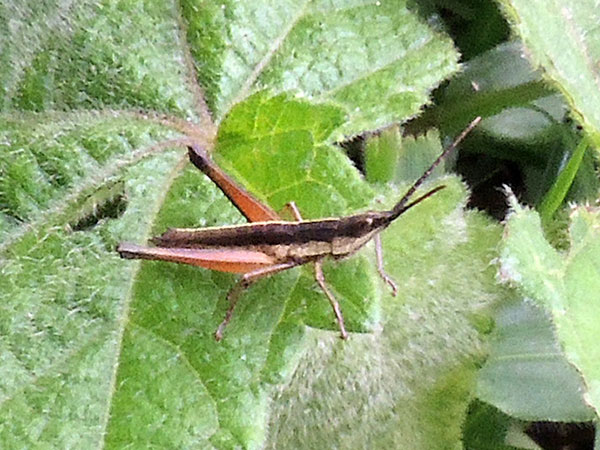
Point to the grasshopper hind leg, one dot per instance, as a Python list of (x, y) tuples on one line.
[(233, 296)]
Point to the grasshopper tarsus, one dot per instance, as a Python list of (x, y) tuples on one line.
[(390, 282), (221, 328)]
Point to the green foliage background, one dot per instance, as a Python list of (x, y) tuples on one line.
[(98, 101)]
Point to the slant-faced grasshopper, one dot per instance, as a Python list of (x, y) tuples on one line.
[(267, 244)]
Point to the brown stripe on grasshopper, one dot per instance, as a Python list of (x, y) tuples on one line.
[(269, 245)]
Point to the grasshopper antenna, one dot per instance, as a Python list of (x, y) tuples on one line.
[(403, 204)]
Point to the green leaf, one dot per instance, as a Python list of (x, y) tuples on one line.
[(556, 195), (381, 155), (561, 284), (489, 429), (375, 60), (96, 55), (171, 373), (562, 38), (390, 157), (62, 286), (101, 352), (526, 374)]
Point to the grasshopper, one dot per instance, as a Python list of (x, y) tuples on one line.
[(267, 244)]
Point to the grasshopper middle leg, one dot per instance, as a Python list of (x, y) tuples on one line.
[(320, 277)]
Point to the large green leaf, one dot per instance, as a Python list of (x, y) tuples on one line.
[(101, 352), (375, 60), (564, 285)]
